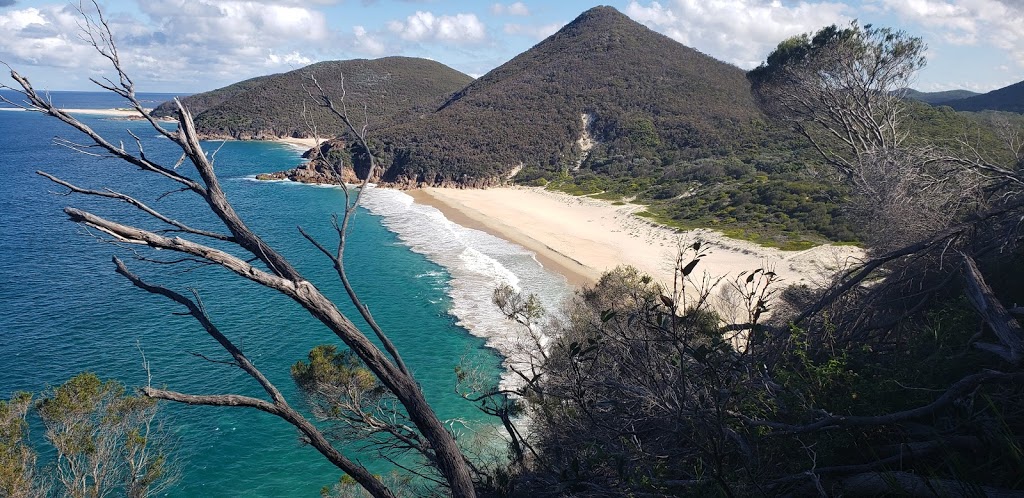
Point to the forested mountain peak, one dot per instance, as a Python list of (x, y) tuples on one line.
[(272, 106), (603, 87)]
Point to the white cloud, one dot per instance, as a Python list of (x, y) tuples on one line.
[(999, 23), (20, 19), (294, 59), (742, 32), (296, 2), (536, 32), (231, 24), (425, 26), (174, 41), (229, 40), (366, 43), (44, 36), (513, 9)]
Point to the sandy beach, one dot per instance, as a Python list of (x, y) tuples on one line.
[(114, 113), (582, 238), (301, 143), (305, 143)]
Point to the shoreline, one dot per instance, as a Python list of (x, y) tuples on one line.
[(476, 261), (307, 143), (118, 113), (574, 271), (582, 238)]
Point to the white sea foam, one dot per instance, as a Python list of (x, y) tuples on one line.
[(299, 148), (477, 262)]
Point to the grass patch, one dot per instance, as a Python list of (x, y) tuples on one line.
[(570, 188), (608, 196), (779, 240), (752, 215)]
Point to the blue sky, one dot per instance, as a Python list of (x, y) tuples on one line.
[(198, 45)]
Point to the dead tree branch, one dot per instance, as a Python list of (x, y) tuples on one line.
[(278, 406), (995, 315), (280, 274)]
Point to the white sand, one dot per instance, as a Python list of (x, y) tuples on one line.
[(304, 143), (582, 237), (299, 143), (119, 113)]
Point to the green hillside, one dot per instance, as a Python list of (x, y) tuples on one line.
[(1009, 99), (200, 102), (272, 106), (938, 98), (646, 99)]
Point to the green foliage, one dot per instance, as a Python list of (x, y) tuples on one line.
[(764, 198), (937, 98), (347, 487), (640, 132), (326, 366), (821, 372), (817, 381), (200, 102), (641, 400), (805, 48), (104, 439), (630, 390), (17, 457)]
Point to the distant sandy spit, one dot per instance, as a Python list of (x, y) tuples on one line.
[(117, 113), (305, 143), (582, 238)]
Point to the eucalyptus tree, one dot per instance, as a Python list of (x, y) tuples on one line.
[(843, 88), (937, 216), (103, 440), (18, 475)]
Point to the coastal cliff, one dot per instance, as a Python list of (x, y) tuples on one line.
[(333, 163)]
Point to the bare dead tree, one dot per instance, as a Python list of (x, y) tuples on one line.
[(255, 261)]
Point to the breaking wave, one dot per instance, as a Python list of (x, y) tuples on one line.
[(477, 263)]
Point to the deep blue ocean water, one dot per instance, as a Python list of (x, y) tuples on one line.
[(63, 310)]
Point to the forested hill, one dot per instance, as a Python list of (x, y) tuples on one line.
[(200, 102), (640, 96), (272, 106), (938, 98), (1009, 99)]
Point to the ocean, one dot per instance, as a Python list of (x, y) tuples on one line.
[(64, 310)]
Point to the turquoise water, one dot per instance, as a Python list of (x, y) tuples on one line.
[(64, 310)]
